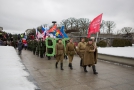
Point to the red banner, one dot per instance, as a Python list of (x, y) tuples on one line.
[(53, 28), (94, 26)]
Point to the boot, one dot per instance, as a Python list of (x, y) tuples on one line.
[(94, 69), (66, 57), (49, 57), (33, 53), (56, 65), (41, 56), (61, 66), (71, 66), (85, 70), (81, 62)]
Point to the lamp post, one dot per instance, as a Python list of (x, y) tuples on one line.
[(54, 22)]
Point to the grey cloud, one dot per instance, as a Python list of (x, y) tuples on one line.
[(20, 15)]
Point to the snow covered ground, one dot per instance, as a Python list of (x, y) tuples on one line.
[(12, 75), (118, 51)]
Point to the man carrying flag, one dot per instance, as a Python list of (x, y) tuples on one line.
[(94, 27)]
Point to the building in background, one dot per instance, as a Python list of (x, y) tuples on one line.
[(1, 28)]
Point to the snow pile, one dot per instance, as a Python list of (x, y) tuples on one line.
[(118, 51), (12, 75)]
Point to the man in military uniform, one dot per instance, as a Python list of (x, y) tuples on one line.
[(31, 45), (70, 51), (41, 48), (90, 56), (28, 44), (81, 49), (37, 48), (34, 45), (59, 51), (66, 42), (44, 52), (95, 54)]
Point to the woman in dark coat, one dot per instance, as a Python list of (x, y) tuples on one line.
[(90, 56), (20, 47)]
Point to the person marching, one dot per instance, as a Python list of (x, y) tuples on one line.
[(59, 52), (37, 48), (25, 46), (65, 56), (81, 49), (90, 58), (41, 48), (70, 52), (28, 42), (34, 46), (1, 42), (20, 47), (96, 50)]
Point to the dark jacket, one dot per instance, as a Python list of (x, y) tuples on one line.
[(20, 46), (1, 43)]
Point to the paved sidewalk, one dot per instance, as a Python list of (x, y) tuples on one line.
[(111, 76)]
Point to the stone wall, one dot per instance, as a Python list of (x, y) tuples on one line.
[(108, 37)]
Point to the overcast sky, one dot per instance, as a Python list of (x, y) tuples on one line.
[(19, 15)]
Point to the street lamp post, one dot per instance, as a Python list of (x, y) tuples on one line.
[(54, 22)]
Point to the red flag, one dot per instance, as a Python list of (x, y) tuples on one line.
[(94, 26), (53, 28)]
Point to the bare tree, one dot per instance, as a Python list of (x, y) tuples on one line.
[(127, 30), (71, 23), (65, 23), (102, 27), (118, 32), (76, 25), (84, 24), (110, 25)]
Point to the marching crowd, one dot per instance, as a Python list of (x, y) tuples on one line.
[(87, 51)]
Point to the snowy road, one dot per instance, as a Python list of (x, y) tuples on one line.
[(13, 76)]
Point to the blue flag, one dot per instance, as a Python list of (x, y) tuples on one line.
[(42, 28), (63, 32)]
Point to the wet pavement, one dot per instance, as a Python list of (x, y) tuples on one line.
[(111, 75)]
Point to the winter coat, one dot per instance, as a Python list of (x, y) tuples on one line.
[(41, 45), (90, 56), (34, 44), (81, 49), (59, 49), (1, 43), (70, 49), (20, 46)]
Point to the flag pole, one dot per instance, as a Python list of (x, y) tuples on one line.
[(96, 37)]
